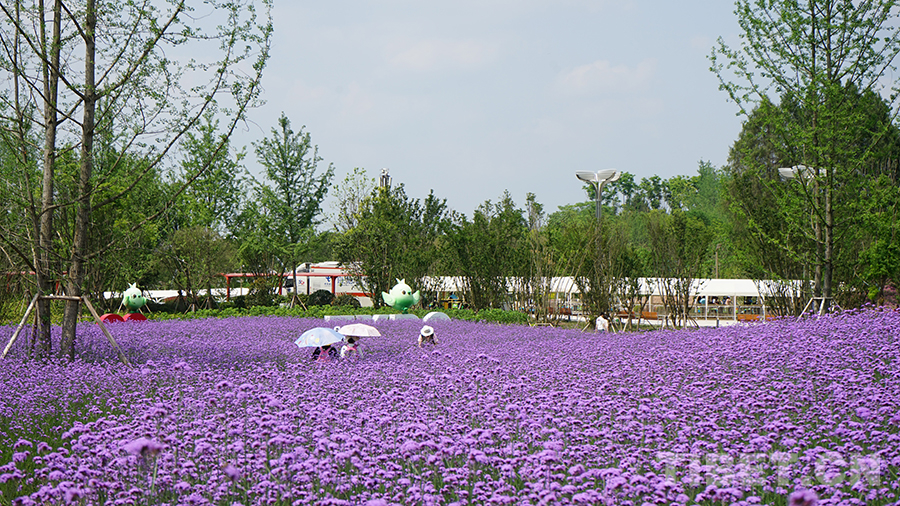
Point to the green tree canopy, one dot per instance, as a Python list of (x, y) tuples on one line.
[(821, 59), (395, 237), (291, 194), (210, 177)]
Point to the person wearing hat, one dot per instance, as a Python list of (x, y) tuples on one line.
[(426, 336)]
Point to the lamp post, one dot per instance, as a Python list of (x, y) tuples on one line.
[(800, 171), (822, 283), (599, 180)]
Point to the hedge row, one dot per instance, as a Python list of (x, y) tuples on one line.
[(487, 315)]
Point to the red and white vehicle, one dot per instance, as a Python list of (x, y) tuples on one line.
[(329, 276)]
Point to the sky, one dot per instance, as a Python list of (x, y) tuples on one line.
[(470, 98)]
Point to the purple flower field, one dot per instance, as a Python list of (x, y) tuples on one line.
[(231, 412)]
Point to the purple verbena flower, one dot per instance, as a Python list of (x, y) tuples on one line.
[(143, 447), (803, 498), (232, 472)]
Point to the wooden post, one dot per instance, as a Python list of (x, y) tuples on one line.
[(19, 328), (90, 307), (109, 336)]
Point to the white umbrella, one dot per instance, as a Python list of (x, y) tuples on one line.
[(359, 330), (436, 316), (319, 336)]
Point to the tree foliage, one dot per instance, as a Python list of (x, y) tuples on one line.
[(210, 179), (823, 62), (77, 67), (293, 191), (487, 250), (396, 237), (348, 195)]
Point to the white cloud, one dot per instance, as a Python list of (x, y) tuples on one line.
[(603, 77), (356, 101), (702, 43), (300, 92), (442, 54)]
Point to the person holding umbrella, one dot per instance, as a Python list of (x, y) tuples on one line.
[(321, 340), (351, 349), (324, 353), (354, 332)]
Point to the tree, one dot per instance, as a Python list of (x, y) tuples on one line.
[(696, 193), (348, 195), (255, 251), (626, 195), (212, 199), (537, 281), (775, 229), (629, 191), (292, 193), (653, 189), (607, 262), (204, 211), (680, 244), (632, 262), (880, 260), (193, 258), (769, 246), (122, 232), (33, 94), (596, 274), (812, 55), (68, 58), (395, 238), (488, 250), (701, 195)]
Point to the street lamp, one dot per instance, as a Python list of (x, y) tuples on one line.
[(800, 171), (599, 180), (820, 285)]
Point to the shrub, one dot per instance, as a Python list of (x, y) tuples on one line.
[(261, 293), (320, 298), (239, 302), (319, 311), (345, 300)]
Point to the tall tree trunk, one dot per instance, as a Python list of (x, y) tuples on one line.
[(817, 227), (83, 212), (43, 256), (829, 244), (24, 154)]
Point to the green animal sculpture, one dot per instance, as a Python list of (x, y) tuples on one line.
[(133, 299), (401, 296)]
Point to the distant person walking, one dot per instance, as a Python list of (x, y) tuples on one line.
[(602, 323)]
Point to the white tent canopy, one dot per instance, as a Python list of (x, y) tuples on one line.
[(718, 287), (648, 286)]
